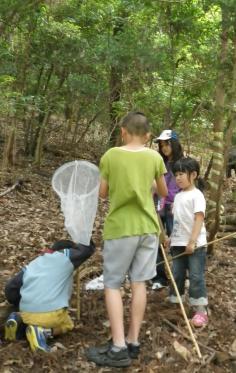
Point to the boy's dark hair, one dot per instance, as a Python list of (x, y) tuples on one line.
[(177, 151), (136, 123), (63, 244), (189, 165)]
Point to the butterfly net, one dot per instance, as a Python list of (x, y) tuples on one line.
[(77, 184)]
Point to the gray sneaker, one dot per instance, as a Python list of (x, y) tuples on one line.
[(134, 350), (157, 286), (105, 356)]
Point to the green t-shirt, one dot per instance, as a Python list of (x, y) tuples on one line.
[(130, 176)]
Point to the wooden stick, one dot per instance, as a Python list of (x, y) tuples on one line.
[(78, 294), (186, 336), (15, 186), (199, 247), (181, 303)]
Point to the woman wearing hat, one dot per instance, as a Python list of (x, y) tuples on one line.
[(171, 151)]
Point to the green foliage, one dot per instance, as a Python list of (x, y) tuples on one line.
[(59, 56)]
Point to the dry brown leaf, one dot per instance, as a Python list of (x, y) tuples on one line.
[(233, 346), (182, 351)]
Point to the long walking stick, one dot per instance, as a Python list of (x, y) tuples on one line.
[(181, 303), (199, 247), (78, 294)]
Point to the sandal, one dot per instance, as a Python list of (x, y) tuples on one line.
[(199, 319)]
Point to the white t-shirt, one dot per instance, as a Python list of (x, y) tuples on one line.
[(186, 204)]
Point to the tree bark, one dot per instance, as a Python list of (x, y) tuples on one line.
[(39, 147), (216, 179), (9, 154)]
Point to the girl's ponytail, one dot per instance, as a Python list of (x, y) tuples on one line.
[(200, 184)]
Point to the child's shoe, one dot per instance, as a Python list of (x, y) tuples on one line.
[(11, 326), (199, 319), (134, 350), (158, 285), (108, 357), (37, 338)]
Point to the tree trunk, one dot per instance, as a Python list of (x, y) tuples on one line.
[(115, 86), (230, 219), (115, 95), (39, 147), (9, 154), (216, 179)]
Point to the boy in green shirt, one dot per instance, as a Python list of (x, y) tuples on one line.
[(131, 231)]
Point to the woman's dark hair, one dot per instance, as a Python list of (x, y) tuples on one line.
[(63, 244), (189, 165), (177, 151)]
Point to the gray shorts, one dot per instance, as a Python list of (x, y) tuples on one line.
[(135, 256)]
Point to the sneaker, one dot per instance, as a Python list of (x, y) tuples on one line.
[(133, 350), (36, 338), (105, 356), (158, 285), (11, 326), (199, 319), (91, 351)]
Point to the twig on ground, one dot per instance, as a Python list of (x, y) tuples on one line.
[(186, 336), (17, 184), (181, 303), (78, 294)]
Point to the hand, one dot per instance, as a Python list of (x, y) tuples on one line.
[(166, 243), (190, 247)]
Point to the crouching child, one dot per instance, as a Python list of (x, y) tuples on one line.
[(42, 291)]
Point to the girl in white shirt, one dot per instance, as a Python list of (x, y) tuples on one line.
[(188, 234)]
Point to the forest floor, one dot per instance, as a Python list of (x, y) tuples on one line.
[(31, 218)]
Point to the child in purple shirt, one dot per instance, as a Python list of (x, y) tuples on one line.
[(171, 151)]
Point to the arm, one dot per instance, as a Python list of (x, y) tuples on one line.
[(197, 225), (103, 190), (12, 288), (81, 254), (161, 186)]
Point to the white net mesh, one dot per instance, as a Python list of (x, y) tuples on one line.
[(77, 184)]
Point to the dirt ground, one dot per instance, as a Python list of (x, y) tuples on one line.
[(31, 219)]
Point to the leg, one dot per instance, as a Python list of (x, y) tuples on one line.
[(115, 352), (169, 220), (44, 325), (117, 258), (37, 338), (14, 327), (179, 269), (197, 288), (114, 306), (137, 309), (142, 269), (160, 280), (63, 322), (118, 255)]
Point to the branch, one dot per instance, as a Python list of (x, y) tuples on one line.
[(17, 185), (187, 336)]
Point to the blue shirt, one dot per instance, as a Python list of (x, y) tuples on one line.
[(47, 283)]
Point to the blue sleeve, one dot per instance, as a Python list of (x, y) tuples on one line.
[(80, 254)]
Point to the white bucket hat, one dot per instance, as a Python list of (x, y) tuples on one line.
[(167, 135)]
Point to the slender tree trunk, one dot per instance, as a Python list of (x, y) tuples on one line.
[(115, 87), (115, 95), (39, 147), (232, 113), (8, 156), (217, 171)]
